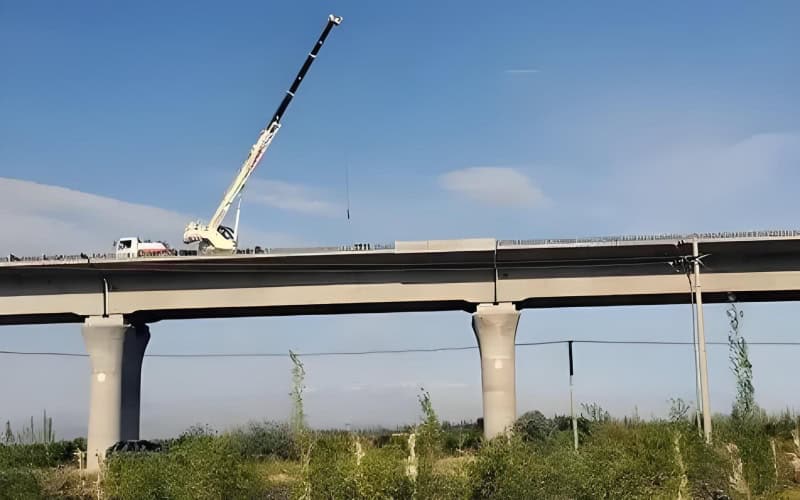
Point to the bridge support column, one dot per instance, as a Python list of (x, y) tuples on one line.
[(495, 326), (115, 350)]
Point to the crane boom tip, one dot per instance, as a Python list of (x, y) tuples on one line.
[(335, 19)]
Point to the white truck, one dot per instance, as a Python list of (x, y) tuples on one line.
[(131, 247)]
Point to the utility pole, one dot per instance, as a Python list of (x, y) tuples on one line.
[(571, 400), (698, 401), (701, 339)]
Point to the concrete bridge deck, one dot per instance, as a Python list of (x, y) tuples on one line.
[(406, 276)]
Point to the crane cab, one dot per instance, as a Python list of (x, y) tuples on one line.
[(126, 247)]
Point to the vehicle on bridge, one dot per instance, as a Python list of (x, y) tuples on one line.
[(134, 247)]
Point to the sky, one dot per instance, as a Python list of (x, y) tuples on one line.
[(509, 120)]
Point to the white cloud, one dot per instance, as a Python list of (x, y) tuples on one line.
[(292, 197), (723, 168), (494, 185), (743, 182), (41, 218)]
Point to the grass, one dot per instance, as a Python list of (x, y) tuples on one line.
[(626, 458)]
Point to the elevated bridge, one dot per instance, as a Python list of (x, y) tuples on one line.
[(116, 298)]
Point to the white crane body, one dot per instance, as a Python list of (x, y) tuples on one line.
[(214, 237)]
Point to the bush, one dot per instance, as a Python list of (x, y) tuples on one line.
[(263, 440), (447, 479), (197, 466), (707, 468), (332, 468), (382, 474), (511, 469), (17, 484), (754, 450), (37, 455), (208, 467), (533, 426), (335, 471), (617, 461), (781, 426), (461, 439), (136, 475), (627, 461), (564, 423)]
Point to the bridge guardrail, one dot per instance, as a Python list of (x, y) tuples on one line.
[(257, 250), (790, 233), (366, 247)]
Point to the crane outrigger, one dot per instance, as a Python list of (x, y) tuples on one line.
[(215, 237)]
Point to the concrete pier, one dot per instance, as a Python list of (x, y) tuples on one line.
[(116, 351), (495, 327)]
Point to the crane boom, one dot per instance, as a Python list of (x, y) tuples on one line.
[(214, 235)]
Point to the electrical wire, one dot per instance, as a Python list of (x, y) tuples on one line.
[(399, 351)]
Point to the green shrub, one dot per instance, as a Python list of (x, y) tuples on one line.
[(707, 468), (617, 461), (430, 437), (37, 455), (635, 460), (332, 468), (197, 466), (564, 423), (754, 449), (208, 467), (263, 440), (781, 426), (534, 426), (136, 476), (511, 469), (196, 431), (462, 437), (447, 479), (381, 474), (335, 471), (19, 484)]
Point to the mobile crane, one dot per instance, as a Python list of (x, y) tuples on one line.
[(215, 237)]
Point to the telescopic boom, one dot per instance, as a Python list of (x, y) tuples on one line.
[(215, 236)]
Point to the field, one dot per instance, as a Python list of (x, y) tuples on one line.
[(753, 455), (617, 458)]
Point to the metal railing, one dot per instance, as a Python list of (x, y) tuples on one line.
[(370, 247), (178, 253), (636, 238)]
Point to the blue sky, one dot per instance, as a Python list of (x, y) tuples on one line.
[(454, 119)]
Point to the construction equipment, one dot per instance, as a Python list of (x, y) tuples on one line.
[(214, 237), (134, 247)]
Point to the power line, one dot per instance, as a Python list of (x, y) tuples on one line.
[(396, 351)]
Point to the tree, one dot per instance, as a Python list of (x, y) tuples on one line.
[(8, 435), (298, 376), (744, 406)]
